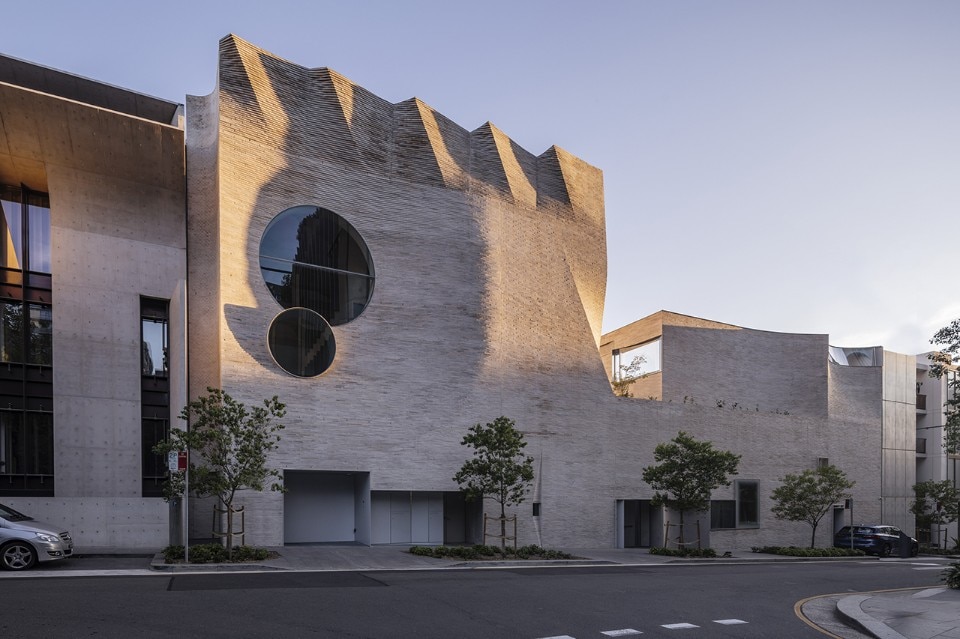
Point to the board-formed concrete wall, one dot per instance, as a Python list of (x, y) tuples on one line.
[(117, 207), (490, 265)]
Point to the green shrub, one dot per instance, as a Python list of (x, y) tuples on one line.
[(214, 554), (952, 575), (480, 551), (208, 554), (794, 551), (250, 553), (683, 552), (172, 554)]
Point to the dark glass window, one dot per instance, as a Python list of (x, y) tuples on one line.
[(26, 344), (153, 342), (723, 514), (312, 258), (301, 342), (40, 343), (33, 338), (154, 392), (748, 504), (11, 325), (26, 453), (153, 432)]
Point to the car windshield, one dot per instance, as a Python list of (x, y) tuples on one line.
[(11, 515)]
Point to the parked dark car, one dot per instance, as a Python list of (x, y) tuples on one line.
[(877, 540), (24, 541)]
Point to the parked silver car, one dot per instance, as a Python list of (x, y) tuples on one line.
[(24, 541)]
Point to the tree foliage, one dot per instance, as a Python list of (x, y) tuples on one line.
[(687, 472), (627, 375), (227, 447), (809, 495), (498, 469), (935, 503), (943, 363)]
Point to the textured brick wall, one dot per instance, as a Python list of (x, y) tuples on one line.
[(490, 267)]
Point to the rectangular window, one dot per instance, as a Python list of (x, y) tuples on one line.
[(154, 392), (638, 360), (723, 514), (26, 453), (742, 512), (748, 504), (26, 345)]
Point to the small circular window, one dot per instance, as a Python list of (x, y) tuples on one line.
[(312, 258), (301, 342)]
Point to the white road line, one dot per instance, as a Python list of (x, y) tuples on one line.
[(935, 568), (678, 626), (729, 622), (558, 637), (620, 633)]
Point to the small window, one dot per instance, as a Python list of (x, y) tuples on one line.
[(301, 342), (637, 361), (723, 514), (748, 504)]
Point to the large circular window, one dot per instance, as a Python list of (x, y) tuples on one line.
[(312, 258), (301, 342), (317, 267)]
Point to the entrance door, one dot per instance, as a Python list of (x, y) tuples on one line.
[(640, 523)]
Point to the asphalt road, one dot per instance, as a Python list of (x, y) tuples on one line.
[(750, 600)]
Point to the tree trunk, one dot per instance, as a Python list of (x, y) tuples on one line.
[(503, 529), (813, 535), (682, 543), (229, 508)]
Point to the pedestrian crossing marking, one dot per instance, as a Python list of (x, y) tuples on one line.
[(729, 622), (624, 632), (678, 626)]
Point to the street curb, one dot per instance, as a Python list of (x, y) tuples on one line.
[(850, 608), (159, 564)]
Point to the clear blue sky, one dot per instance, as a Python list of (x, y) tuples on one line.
[(787, 166)]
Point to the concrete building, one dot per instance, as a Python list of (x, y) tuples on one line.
[(394, 279), (934, 463), (94, 229)]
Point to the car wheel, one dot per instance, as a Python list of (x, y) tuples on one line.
[(17, 555)]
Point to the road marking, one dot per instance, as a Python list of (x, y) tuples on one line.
[(678, 626), (934, 568), (729, 622), (620, 633), (558, 637)]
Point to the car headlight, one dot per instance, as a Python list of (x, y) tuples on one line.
[(47, 537)]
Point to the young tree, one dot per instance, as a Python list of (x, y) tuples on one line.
[(499, 469), (687, 472), (942, 363), (231, 444), (627, 375), (935, 503), (810, 495)]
